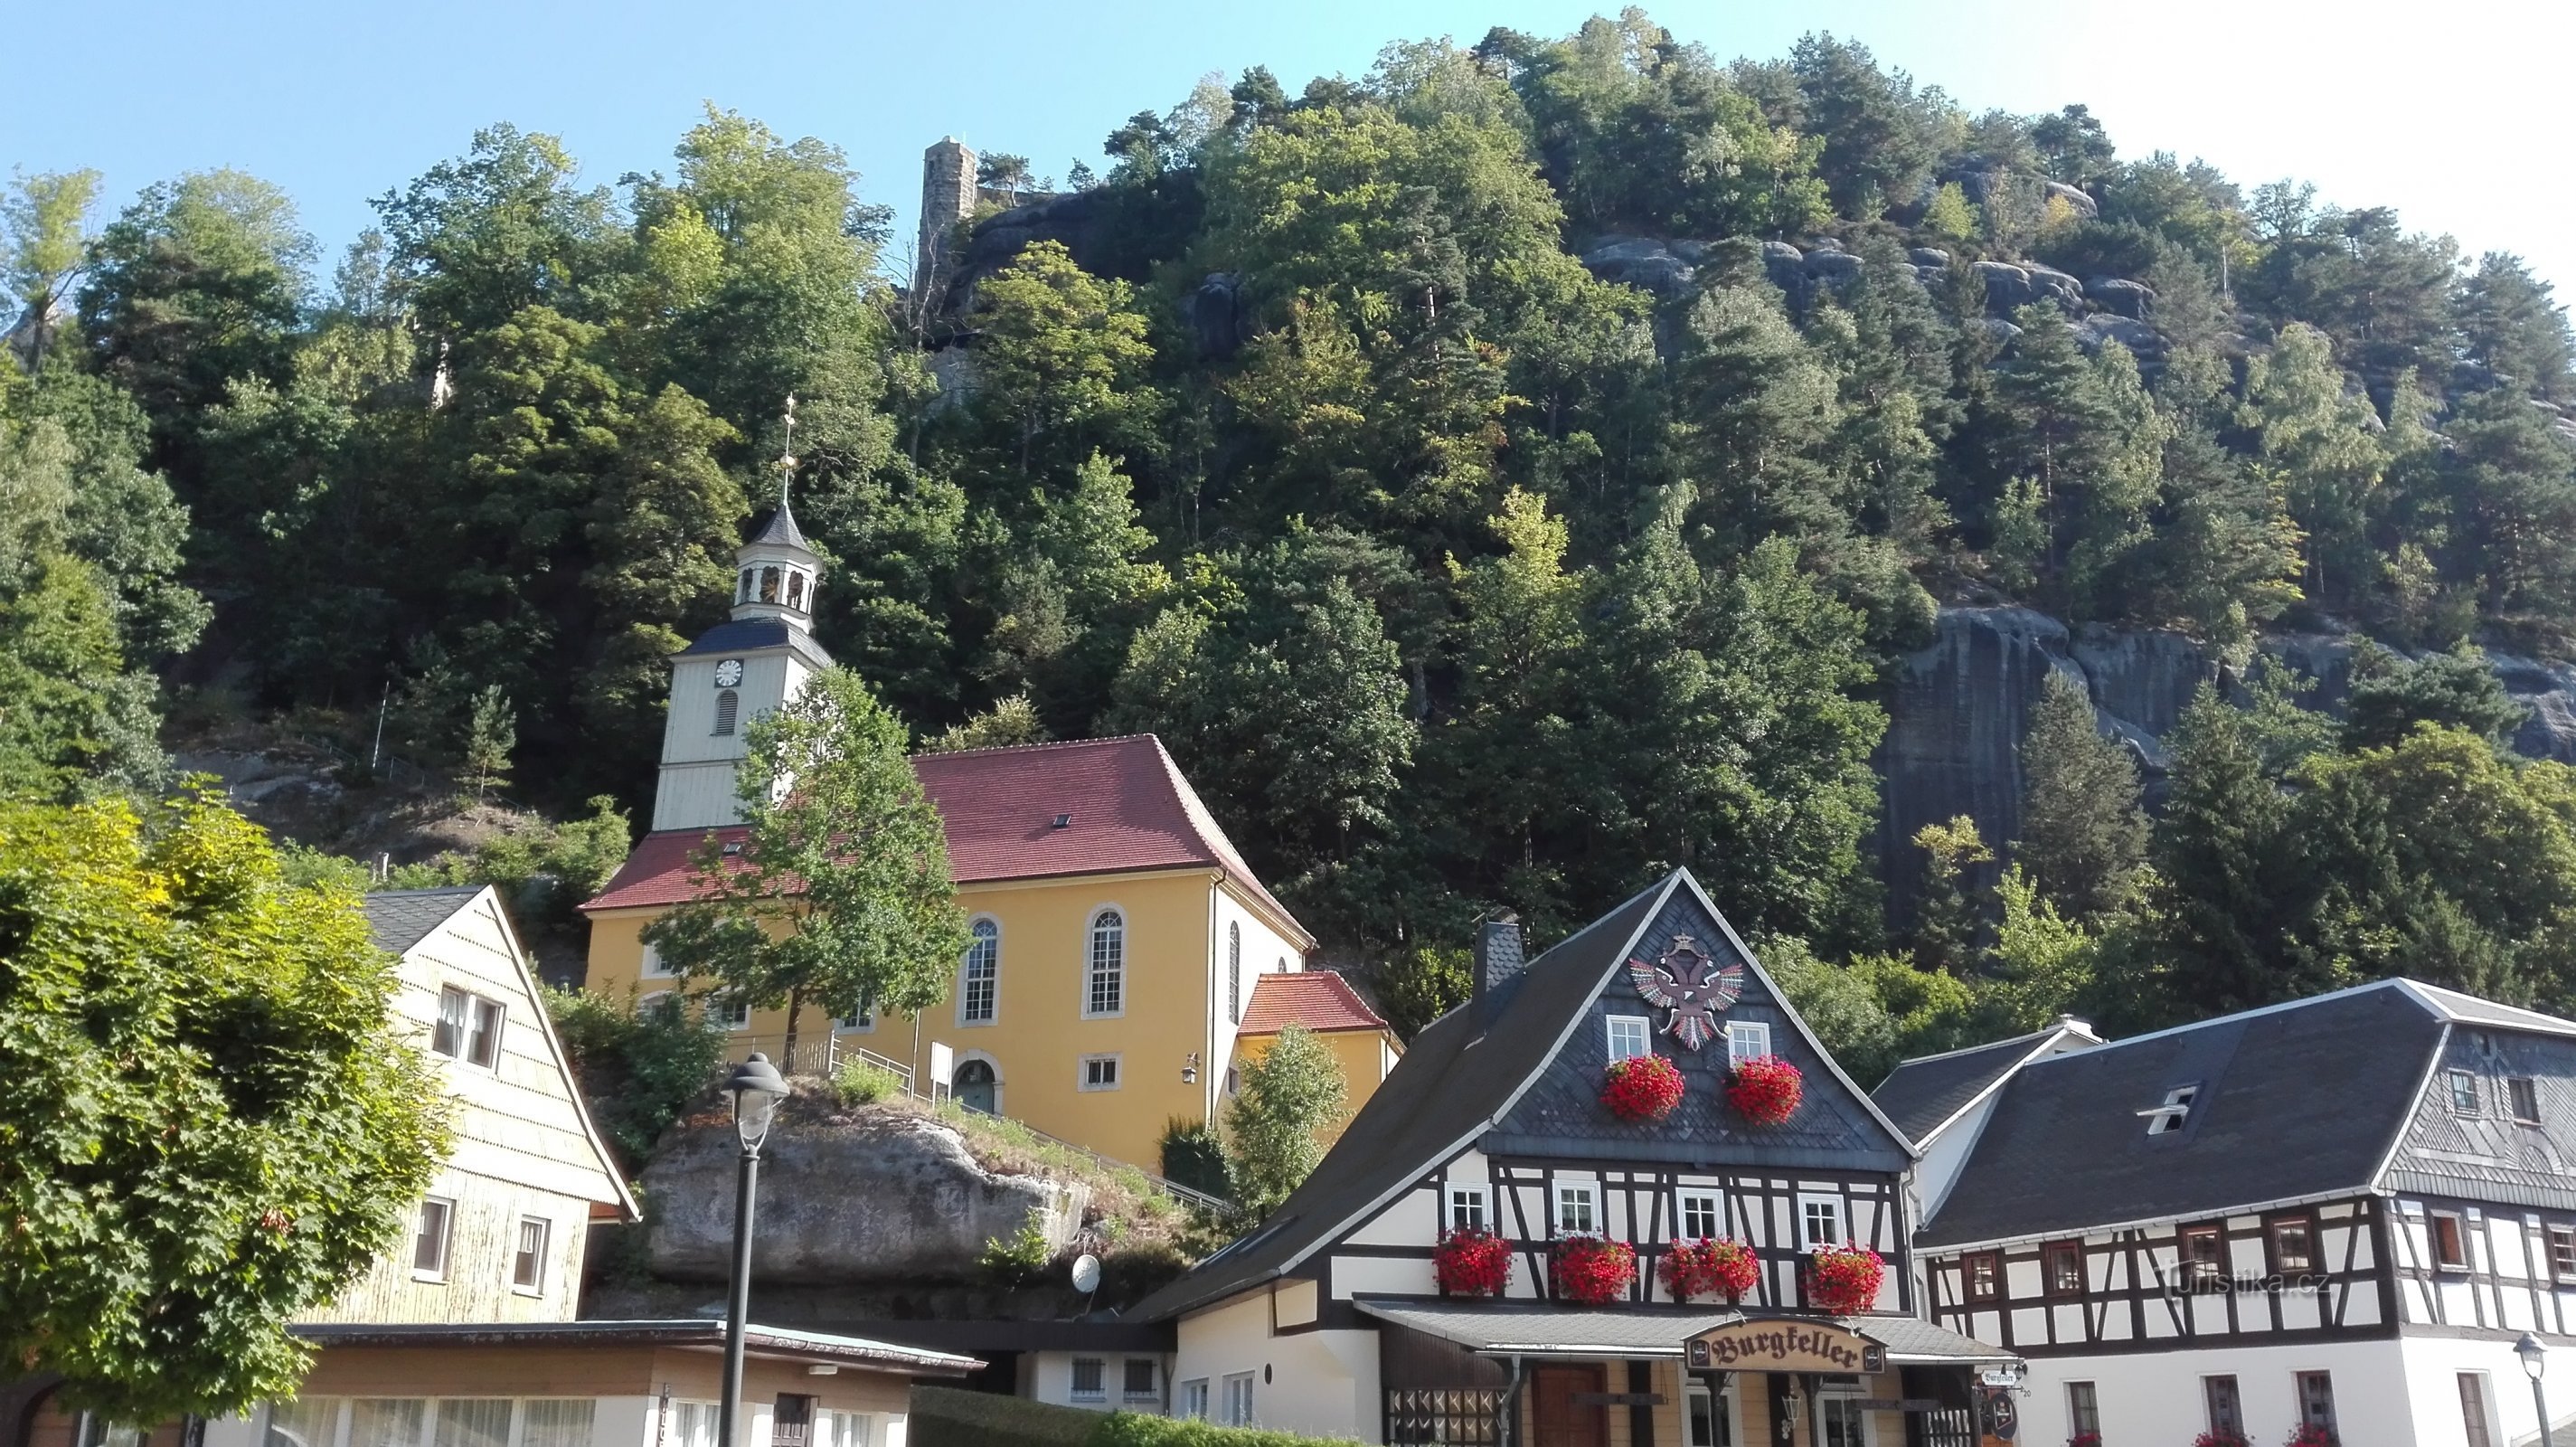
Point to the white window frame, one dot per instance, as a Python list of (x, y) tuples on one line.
[(519, 1252), (1467, 1195), (1615, 1026), (654, 967), (1713, 1201), (1806, 1227), (1238, 1406), (1721, 1411), (1092, 971), (967, 1018), (1562, 1193), (721, 1013), (1193, 1399), (470, 1038), (1117, 1071), (862, 1023), (446, 1236), (1739, 1032), (1073, 1379)]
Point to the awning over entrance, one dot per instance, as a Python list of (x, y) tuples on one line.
[(1538, 1329)]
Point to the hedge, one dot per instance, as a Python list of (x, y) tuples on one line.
[(946, 1417)]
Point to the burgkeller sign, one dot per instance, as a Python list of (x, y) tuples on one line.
[(1783, 1345)]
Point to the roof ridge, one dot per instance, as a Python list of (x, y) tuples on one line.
[(1033, 747), (1973, 1049), (2425, 989), (2275, 1008)]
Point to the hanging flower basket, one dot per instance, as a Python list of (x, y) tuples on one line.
[(2309, 1434), (1642, 1087), (2220, 1437), (1472, 1262), (1714, 1267), (1765, 1089), (1594, 1272), (1844, 1280), (2085, 1439)]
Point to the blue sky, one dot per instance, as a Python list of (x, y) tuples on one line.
[(2454, 114)]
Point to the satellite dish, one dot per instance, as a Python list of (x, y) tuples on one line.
[(1086, 1273)]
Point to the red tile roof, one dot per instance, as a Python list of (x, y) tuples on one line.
[(1124, 801), (1317, 999)]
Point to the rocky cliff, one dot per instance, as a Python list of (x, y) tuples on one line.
[(1958, 707)]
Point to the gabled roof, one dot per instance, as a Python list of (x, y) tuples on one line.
[(1125, 805), (402, 918), (2293, 1102), (1320, 1000), (1452, 1086), (1927, 1093)]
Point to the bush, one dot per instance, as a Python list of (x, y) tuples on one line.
[(1193, 1155), (638, 1068), (949, 1417), (858, 1083), (543, 871), (1018, 1258), (1137, 1429)]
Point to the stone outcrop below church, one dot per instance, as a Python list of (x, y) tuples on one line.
[(1957, 710), (878, 1197)]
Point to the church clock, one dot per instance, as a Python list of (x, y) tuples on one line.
[(729, 673)]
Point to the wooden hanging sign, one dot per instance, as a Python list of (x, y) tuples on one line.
[(1783, 1344)]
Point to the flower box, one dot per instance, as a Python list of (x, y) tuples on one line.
[(1594, 1272), (2309, 1434), (1713, 1267), (1472, 1262), (1765, 1089), (1641, 1087), (1844, 1280), (2220, 1437)]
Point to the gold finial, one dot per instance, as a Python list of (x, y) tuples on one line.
[(787, 453)]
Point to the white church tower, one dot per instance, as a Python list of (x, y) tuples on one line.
[(740, 669)]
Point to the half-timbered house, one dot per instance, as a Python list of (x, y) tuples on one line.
[(2341, 1211), (1330, 1317)]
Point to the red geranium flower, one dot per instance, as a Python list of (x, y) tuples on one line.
[(1472, 1262), (1844, 1280), (1642, 1087), (1711, 1267), (1765, 1089), (2220, 1438), (1593, 1271), (2309, 1434)]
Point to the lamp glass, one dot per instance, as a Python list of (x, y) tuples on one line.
[(2534, 1356), (756, 1087)]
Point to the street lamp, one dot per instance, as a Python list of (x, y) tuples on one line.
[(756, 1088), (2533, 1356)]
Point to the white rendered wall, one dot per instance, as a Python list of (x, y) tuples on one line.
[(1321, 1383), (2154, 1399)]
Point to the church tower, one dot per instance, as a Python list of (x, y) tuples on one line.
[(740, 669)]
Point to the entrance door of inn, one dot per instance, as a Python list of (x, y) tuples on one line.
[(1559, 1412)]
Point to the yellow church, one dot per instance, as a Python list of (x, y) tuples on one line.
[(1119, 942)]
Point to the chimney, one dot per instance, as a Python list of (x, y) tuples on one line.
[(1498, 963)]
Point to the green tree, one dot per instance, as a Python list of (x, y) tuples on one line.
[(840, 897), (44, 248), (1945, 920), (1273, 1125), (2389, 695), (1059, 370), (1010, 721), (2083, 832), (218, 1124), (491, 734), (2511, 324), (2229, 887)]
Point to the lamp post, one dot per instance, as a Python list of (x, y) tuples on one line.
[(756, 1088), (2534, 1362)]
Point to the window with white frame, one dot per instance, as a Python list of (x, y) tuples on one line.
[(1100, 1072), (655, 967), (1578, 1208), (429, 1239), (472, 1422), (1746, 1040), (469, 1027), (1238, 1401), (556, 1421), (1090, 1379), (693, 1424), (1194, 1398), (304, 1422), (727, 1013), (1697, 1214), (1820, 1221), (859, 1021), (1467, 1208), (528, 1259), (1105, 983), (1628, 1037), (386, 1421), (979, 985), (96, 1431)]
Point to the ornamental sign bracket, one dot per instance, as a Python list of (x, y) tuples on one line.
[(1783, 1344)]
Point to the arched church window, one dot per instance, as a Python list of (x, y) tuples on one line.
[(728, 708), (743, 594), (769, 585), (795, 589)]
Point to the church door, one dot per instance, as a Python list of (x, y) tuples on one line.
[(976, 1086), (1561, 1418)]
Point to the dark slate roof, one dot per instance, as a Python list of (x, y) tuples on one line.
[(1924, 1094), (781, 530), (2295, 1101), (402, 918), (745, 635), (1452, 1087)]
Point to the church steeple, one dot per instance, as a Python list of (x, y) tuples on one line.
[(776, 573)]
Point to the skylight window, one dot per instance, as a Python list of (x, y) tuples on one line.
[(2167, 1118)]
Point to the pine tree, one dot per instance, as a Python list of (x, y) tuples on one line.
[(2083, 833), (1945, 922), (2228, 893), (491, 736)]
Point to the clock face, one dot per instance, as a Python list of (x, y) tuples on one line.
[(729, 673)]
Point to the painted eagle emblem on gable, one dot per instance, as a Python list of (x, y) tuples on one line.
[(1692, 986)]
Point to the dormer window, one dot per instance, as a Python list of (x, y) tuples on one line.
[(2464, 1092), (2167, 1118)]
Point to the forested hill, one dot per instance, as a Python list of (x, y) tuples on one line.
[(1458, 572)]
